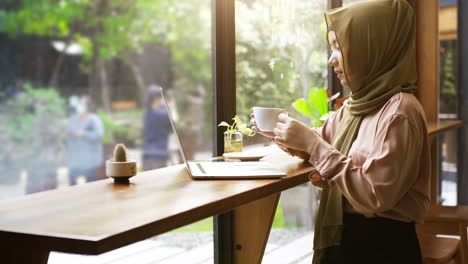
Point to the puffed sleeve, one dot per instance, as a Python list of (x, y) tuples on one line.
[(388, 172)]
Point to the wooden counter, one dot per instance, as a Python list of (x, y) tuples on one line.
[(98, 217), (437, 128)]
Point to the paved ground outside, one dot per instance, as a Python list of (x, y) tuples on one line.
[(285, 246)]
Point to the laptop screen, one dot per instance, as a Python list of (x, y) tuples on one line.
[(166, 128), (175, 137)]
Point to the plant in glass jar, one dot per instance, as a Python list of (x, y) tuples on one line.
[(234, 134)]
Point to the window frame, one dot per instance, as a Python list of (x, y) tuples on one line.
[(224, 108)]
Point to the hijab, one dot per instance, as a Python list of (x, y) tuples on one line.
[(377, 41)]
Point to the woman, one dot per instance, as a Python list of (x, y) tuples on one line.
[(85, 132), (372, 155)]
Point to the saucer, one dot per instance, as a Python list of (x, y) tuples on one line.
[(247, 155)]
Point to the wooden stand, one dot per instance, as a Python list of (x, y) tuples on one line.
[(252, 225)]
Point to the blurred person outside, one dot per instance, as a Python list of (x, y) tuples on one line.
[(85, 132), (156, 129)]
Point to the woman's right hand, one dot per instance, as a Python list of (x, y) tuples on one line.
[(294, 152), (297, 153), (255, 128)]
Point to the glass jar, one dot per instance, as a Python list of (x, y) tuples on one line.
[(232, 142)]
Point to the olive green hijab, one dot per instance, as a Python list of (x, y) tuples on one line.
[(377, 41)]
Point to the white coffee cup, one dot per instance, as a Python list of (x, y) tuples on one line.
[(266, 117)]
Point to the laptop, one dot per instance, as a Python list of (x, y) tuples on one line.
[(223, 169)]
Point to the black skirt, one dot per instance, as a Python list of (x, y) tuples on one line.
[(376, 240)]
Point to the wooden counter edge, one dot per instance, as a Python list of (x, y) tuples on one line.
[(99, 245)]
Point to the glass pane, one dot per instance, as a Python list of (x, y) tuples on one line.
[(75, 81), (76, 77), (448, 100), (448, 173), (448, 60), (281, 55)]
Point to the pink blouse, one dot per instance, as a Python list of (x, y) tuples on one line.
[(387, 170)]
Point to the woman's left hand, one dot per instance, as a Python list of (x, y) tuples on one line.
[(293, 134)]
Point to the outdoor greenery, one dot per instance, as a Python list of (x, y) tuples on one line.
[(206, 225), (280, 46), (281, 52), (34, 130), (107, 30), (316, 108), (123, 126), (35, 122), (448, 91), (119, 31)]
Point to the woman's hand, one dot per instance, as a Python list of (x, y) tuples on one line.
[(293, 134), (317, 180), (293, 152)]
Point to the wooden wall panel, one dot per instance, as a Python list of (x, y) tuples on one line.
[(427, 52), (427, 46)]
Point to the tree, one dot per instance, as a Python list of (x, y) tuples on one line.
[(108, 30), (44, 18)]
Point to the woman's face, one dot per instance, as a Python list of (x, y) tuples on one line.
[(336, 58)]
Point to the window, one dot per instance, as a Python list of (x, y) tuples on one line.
[(281, 55), (60, 59), (448, 101)]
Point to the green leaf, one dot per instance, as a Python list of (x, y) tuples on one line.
[(318, 101), (237, 120), (241, 126), (302, 107), (223, 123)]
